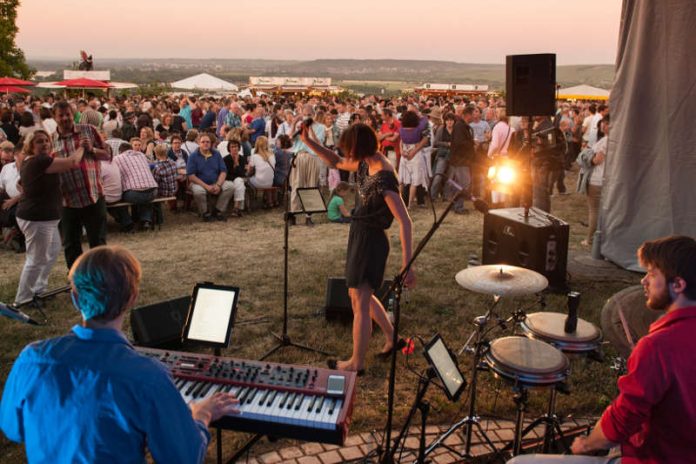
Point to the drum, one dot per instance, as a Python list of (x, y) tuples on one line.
[(550, 328), (527, 362)]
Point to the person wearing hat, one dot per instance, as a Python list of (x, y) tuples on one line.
[(88, 396), (128, 130)]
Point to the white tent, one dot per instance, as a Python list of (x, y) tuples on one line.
[(651, 159), (583, 92), (204, 81)]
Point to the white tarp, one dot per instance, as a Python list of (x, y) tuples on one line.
[(648, 189), (204, 81)]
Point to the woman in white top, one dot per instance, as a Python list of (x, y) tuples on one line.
[(263, 164), (594, 187)]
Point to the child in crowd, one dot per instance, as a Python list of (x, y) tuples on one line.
[(337, 211), (165, 174)]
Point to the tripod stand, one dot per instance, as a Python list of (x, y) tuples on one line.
[(472, 419), (284, 339), (387, 453)]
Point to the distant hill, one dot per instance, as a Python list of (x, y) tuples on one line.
[(408, 71)]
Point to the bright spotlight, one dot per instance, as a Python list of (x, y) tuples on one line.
[(503, 176)]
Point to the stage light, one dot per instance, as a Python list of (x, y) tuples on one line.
[(503, 176)]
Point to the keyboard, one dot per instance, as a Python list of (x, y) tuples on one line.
[(279, 400)]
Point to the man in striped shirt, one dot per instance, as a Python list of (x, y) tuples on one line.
[(83, 194)]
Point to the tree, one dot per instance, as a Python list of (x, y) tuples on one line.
[(12, 61)]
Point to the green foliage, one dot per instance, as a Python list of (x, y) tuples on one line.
[(154, 89), (12, 61)]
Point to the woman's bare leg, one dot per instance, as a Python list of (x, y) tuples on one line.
[(362, 327), (380, 316)]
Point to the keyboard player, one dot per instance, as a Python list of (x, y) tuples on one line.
[(89, 396)]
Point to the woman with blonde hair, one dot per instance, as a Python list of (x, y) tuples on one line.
[(38, 211), (261, 168)]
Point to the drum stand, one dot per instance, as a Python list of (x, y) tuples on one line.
[(472, 419), (551, 422)]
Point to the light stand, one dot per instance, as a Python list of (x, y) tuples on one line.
[(284, 339), (388, 452)]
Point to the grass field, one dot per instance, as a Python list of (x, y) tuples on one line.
[(248, 253)]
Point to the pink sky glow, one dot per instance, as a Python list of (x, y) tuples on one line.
[(484, 31)]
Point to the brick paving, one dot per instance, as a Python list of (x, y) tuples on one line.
[(358, 446)]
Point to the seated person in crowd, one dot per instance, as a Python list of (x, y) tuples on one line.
[(89, 396), (654, 416), (111, 178), (180, 157), (337, 211), (139, 188), (164, 172), (236, 173), (10, 193), (261, 169), (207, 173), (283, 155)]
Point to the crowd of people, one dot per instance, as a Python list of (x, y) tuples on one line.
[(217, 152)]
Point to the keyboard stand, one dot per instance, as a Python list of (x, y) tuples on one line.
[(243, 450)]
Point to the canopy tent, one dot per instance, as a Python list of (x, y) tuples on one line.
[(12, 89), (83, 83), (204, 81), (651, 159), (583, 92), (15, 82)]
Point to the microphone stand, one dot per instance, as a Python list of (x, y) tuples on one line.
[(388, 452), (284, 339)]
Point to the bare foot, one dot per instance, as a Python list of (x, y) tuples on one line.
[(347, 366)]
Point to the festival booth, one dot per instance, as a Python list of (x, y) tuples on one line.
[(292, 85), (205, 82), (651, 160), (582, 92), (452, 90)]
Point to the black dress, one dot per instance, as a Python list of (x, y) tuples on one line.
[(368, 244)]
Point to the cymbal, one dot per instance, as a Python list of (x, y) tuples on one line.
[(501, 280)]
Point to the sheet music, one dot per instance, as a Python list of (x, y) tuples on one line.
[(211, 315)]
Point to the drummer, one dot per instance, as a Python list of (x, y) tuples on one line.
[(654, 416)]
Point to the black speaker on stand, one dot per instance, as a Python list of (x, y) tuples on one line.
[(530, 84)]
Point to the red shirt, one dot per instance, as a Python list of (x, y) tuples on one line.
[(654, 416), (390, 129)]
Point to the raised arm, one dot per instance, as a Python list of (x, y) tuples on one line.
[(330, 157)]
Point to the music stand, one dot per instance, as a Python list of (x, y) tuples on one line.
[(311, 201)]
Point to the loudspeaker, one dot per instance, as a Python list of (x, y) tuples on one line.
[(538, 242), (530, 84), (338, 305), (160, 325)]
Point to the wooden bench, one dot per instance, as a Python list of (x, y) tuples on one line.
[(252, 195), (125, 203)]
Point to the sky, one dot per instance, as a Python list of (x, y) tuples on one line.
[(465, 31)]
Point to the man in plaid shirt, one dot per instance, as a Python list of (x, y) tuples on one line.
[(83, 194), (165, 175)]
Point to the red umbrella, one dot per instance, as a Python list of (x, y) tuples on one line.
[(11, 89), (15, 82), (84, 83)]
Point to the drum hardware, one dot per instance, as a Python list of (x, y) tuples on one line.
[(471, 420), (550, 420)]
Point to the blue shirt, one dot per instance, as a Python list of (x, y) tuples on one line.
[(259, 126), (208, 120), (206, 169), (89, 397), (185, 113)]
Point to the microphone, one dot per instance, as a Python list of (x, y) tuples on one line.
[(571, 322), (13, 313), (479, 204)]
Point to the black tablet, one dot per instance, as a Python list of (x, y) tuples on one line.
[(211, 314), (312, 200), (440, 359)]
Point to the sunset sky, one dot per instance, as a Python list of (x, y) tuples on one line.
[(483, 31)]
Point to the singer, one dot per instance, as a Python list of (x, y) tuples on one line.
[(654, 416), (89, 397), (378, 203)]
